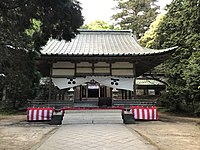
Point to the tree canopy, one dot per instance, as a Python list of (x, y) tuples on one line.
[(149, 36), (181, 27), (59, 19), (136, 15), (25, 26), (98, 25)]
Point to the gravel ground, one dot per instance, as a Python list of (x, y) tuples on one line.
[(16, 133), (171, 132)]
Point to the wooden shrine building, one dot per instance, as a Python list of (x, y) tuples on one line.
[(96, 64)]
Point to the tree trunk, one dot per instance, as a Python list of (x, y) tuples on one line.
[(193, 107), (4, 94)]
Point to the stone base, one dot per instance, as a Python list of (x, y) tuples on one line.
[(128, 119), (56, 120)]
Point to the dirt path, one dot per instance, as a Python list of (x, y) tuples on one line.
[(171, 132), (16, 133)]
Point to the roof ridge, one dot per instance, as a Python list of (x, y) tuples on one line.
[(104, 30)]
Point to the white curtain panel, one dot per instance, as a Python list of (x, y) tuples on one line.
[(114, 82), (63, 83)]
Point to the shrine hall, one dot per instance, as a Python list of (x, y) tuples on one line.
[(98, 65)]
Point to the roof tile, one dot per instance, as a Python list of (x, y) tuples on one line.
[(102, 42)]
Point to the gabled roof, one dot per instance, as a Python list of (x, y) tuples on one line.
[(99, 43)]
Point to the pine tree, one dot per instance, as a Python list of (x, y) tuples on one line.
[(136, 15), (181, 27)]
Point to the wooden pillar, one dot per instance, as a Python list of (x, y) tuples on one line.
[(50, 81), (62, 96), (134, 81), (111, 94), (49, 94), (105, 90), (80, 92), (129, 95), (125, 91), (93, 68), (134, 88), (86, 92)]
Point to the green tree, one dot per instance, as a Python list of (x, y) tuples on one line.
[(98, 25), (25, 26), (136, 15), (59, 19), (192, 78), (149, 36), (181, 27)]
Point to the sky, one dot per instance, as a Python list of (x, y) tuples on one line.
[(102, 9)]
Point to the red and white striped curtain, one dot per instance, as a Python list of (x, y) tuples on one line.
[(39, 114), (145, 113)]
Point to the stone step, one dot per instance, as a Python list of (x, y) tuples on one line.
[(93, 122), (92, 117), (107, 121), (102, 121), (93, 111), (91, 114)]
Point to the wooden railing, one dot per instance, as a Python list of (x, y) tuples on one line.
[(135, 102), (61, 104), (45, 103)]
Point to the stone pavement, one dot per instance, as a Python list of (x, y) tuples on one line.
[(95, 137)]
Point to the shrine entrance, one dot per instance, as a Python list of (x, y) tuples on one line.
[(93, 90), (90, 91), (93, 93)]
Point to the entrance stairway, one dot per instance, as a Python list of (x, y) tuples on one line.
[(100, 116)]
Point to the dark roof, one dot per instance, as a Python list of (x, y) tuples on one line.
[(99, 43)]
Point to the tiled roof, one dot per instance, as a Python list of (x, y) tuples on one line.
[(148, 82), (100, 42)]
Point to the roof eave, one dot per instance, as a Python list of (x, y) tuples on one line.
[(170, 50)]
